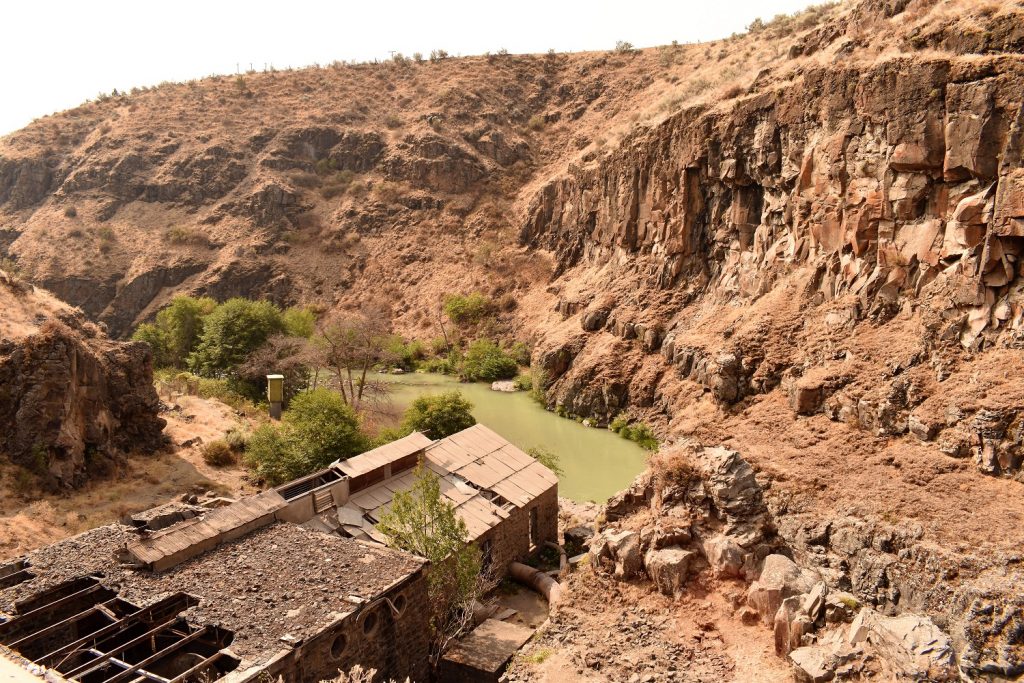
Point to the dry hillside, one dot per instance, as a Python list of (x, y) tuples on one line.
[(804, 243)]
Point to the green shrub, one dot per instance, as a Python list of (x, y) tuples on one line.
[(392, 121), (538, 384), (439, 346), (237, 439), (231, 332), (157, 340), (536, 123), (440, 366), (486, 362), (520, 353), (183, 235), (468, 309), (546, 458), (406, 355), (638, 432), (439, 415), (642, 435), (524, 382), (218, 454), (299, 321), (316, 430)]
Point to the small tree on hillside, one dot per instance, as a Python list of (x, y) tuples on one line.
[(351, 344), (420, 521), (439, 415)]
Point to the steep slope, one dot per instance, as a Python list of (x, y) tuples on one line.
[(72, 402), (803, 243)]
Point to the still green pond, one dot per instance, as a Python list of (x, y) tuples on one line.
[(597, 463)]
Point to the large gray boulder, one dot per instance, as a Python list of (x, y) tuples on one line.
[(780, 579), (617, 552), (911, 644), (669, 568)]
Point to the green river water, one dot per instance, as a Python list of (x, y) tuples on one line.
[(597, 463)]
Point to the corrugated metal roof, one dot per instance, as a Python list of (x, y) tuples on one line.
[(382, 455)]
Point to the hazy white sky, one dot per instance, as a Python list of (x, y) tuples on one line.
[(56, 54)]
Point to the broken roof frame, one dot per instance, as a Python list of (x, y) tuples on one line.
[(85, 631)]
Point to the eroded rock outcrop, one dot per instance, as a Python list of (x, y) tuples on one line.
[(72, 402), (845, 598)]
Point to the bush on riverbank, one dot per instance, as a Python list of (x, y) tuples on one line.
[(439, 415), (638, 432), (485, 361)]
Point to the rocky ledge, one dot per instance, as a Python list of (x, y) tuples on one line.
[(72, 402)]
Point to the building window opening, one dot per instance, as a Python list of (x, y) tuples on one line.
[(399, 602), (370, 623), (534, 527), (338, 646), (486, 551)]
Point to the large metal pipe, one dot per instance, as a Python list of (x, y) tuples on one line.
[(537, 580)]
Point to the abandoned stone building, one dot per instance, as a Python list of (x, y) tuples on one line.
[(508, 500), (292, 582)]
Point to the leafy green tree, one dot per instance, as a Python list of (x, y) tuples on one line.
[(157, 340), (547, 458), (420, 521), (231, 332), (299, 321), (317, 429), (182, 321), (406, 355), (486, 362), (176, 330), (439, 415)]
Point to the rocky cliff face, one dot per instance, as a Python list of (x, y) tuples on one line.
[(72, 402), (870, 192)]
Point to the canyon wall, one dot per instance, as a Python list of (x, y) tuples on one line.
[(72, 402), (875, 190)]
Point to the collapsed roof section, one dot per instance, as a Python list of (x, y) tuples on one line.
[(83, 611)]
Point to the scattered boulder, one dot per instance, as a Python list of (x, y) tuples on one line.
[(507, 386), (617, 553), (725, 556), (669, 568), (796, 617), (637, 496), (578, 537), (780, 578), (910, 643)]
